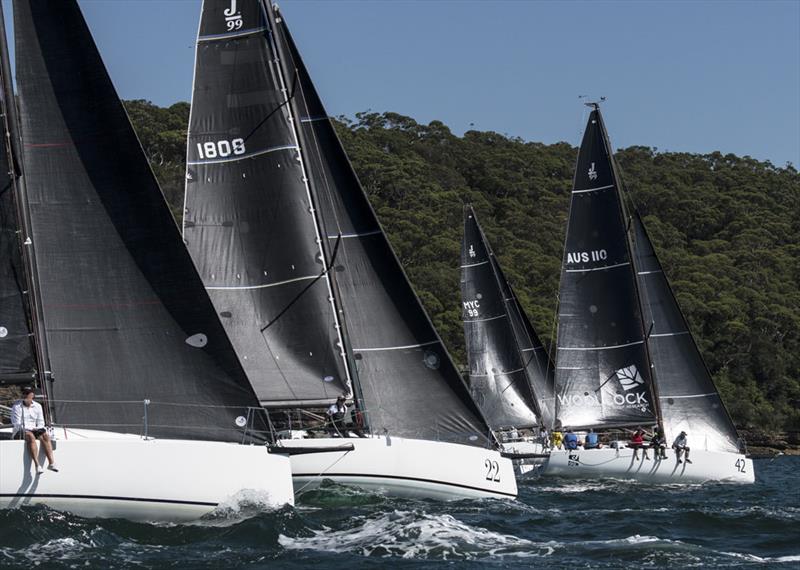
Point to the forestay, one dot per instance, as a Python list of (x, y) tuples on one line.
[(497, 372), (125, 314), (249, 215), (602, 371), (688, 399), (408, 383)]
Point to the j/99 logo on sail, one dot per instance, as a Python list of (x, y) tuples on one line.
[(220, 149)]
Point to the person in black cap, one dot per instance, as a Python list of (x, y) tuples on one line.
[(27, 420), (681, 445)]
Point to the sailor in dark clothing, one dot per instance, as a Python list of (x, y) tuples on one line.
[(336, 413), (570, 440), (659, 443)]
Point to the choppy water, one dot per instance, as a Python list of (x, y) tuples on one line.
[(554, 524)]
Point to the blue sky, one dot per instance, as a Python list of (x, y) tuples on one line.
[(688, 76)]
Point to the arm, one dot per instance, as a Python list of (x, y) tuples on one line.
[(39, 423), (16, 416)]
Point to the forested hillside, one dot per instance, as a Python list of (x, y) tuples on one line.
[(726, 229)]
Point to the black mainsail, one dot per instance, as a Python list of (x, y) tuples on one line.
[(125, 314), (249, 219), (603, 375), (688, 399), (17, 355), (406, 382), (497, 371)]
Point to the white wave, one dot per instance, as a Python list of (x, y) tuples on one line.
[(415, 534), (244, 504), (763, 559)]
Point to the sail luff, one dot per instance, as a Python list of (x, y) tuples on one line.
[(20, 361), (333, 294)]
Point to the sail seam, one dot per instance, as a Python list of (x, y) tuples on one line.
[(593, 189), (598, 268), (264, 286), (355, 235), (312, 119), (395, 347), (600, 347), (244, 156), (669, 334), (484, 320), (229, 35), (689, 396), (649, 272), (475, 264), (500, 372)]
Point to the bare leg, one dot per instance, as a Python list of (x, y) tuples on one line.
[(48, 448), (686, 455), (32, 447)]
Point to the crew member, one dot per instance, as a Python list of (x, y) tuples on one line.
[(681, 446), (27, 420), (336, 413)]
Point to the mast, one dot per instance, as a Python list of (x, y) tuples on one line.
[(26, 248), (333, 293)]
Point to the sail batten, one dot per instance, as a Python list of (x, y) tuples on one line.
[(125, 315)]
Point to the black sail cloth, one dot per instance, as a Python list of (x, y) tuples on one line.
[(249, 220), (689, 401), (17, 357), (602, 371), (497, 372), (125, 314), (408, 383)]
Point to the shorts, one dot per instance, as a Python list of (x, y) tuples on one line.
[(37, 433)]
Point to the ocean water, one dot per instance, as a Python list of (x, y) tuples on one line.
[(553, 524)]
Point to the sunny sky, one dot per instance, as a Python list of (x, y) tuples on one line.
[(689, 76)]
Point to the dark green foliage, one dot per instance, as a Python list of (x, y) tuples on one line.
[(726, 229)]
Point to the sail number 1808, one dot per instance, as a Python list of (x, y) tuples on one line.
[(220, 149)]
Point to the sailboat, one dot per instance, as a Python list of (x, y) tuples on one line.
[(305, 280), (511, 376), (152, 416), (625, 356)]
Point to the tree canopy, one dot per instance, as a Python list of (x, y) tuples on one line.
[(725, 227)]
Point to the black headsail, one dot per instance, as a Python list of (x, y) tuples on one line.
[(408, 383), (17, 355), (497, 371), (603, 375), (540, 369), (688, 399), (249, 219), (125, 313)]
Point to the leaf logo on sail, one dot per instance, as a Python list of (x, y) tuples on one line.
[(629, 377)]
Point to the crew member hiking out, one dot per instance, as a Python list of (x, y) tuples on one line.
[(27, 420), (681, 446)]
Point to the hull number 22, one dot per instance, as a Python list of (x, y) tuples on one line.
[(493, 470)]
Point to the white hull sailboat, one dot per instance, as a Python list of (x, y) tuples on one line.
[(106, 474), (625, 356), (405, 467), (114, 309), (311, 293)]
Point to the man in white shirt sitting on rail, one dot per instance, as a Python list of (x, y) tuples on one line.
[(27, 419)]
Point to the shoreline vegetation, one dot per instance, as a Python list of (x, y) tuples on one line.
[(727, 230)]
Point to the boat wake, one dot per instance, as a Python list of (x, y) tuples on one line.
[(416, 534)]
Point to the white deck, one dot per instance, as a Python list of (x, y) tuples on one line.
[(112, 475), (406, 468)]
